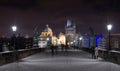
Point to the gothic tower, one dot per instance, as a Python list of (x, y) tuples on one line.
[(70, 32)]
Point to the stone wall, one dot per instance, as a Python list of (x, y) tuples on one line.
[(11, 56), (113, 56)]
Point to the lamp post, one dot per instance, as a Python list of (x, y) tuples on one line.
[(80, 41), (14, 29), (74, 42), (48, 41), (109, 27)]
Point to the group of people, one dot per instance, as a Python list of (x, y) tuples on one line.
[(94, 51), (64, 47), (55, 48)]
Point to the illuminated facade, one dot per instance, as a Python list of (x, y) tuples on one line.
[(43, 42), (70, 32), (47, 32), (54, 40), (62, 39), (45, 37)]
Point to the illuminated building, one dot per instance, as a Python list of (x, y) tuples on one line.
[(45, 37), (54, 40), (70, 32), (62, 39), (47, 32), (43, 42)]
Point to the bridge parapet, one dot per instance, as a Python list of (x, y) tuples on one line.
[(112, 55), (11, 56)]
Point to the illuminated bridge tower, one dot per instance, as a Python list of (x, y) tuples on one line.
[(70, 32)]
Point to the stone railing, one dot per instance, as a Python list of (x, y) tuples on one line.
[(11, 56), (112, 55)]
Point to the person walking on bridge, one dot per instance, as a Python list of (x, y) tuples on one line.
[(52, 49), (93, 52)]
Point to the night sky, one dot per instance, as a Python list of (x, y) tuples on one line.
[(27, 14)]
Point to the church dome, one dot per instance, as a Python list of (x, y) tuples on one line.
[(47, 30)]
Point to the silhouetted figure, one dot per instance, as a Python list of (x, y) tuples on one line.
[(66, 47), (52, 49), (62, 47), (93, 52), (56, 47)]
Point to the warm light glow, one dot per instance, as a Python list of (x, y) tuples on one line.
[(62, 39), (109, 27), (14, 28)]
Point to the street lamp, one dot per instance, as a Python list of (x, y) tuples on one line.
[(14, 29), (109, 27), (48, 39), (80, 39)]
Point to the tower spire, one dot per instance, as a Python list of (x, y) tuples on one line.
[(47, 25), (69, 23)]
